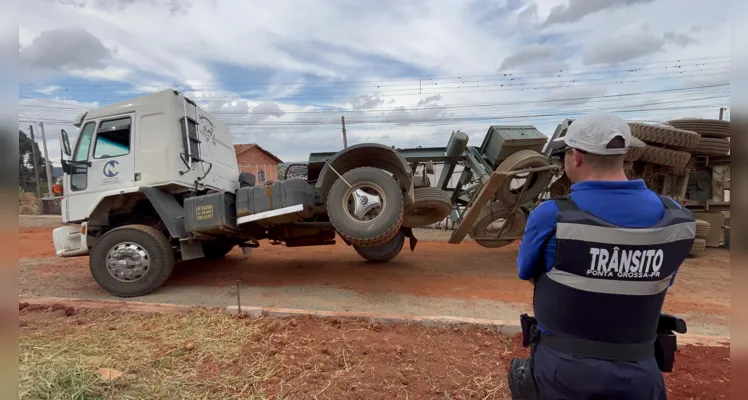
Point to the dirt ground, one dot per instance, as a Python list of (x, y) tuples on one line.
[(463, 280), (205, 354)]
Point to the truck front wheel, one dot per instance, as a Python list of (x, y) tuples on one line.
[(132, 260)]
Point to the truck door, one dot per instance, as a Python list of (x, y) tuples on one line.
[(106, 146)]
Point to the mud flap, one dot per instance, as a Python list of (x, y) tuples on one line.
[(413, 241)]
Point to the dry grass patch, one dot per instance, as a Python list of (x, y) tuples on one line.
[(211, 355)]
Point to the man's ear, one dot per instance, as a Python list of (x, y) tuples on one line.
[(578, 158)]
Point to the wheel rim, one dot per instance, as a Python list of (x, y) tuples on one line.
[(128, 262), (364, 202)]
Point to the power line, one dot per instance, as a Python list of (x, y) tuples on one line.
[(616, 68), (459, 119), (474, 105), (225, 99), (510, 77)]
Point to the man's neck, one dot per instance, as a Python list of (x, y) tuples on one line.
[(610, 176)]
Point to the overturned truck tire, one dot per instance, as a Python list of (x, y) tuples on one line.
[(665, 135), (666, 157), (383, 252), (429, 206), (521, 160), (497, 222), (366, 207)]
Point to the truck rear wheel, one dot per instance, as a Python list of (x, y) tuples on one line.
[(384, 252), (366, 207), (132, 260)]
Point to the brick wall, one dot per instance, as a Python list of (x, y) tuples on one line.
[(255, 160)]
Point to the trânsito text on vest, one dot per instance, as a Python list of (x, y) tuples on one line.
[(625, 263)]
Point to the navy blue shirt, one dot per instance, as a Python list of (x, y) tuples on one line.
[(629, 204)]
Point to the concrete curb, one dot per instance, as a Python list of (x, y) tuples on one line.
[(503, 327)]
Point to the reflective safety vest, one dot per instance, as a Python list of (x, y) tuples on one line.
[(604, 294)]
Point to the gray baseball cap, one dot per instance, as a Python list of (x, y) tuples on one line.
[(593, 132)]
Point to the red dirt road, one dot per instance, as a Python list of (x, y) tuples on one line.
[(435, 270)]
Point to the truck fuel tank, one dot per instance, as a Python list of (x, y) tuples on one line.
[(284, 201)]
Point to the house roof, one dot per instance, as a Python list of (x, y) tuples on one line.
[(241, 148)]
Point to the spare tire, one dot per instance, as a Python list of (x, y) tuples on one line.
[(521, 160), (369, 212), (702, 228), (430, 205), (633, 154), (704, 127), (698, 248), (383, 252), (494, 212), (665, 135), (666, 157), (713, 147), (561, 187), (216, 249)]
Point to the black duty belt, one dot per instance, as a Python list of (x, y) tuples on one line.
[(631, 352)]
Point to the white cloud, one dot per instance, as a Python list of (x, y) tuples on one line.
[(309, 58), (528, 55), (577, 9), (618, 49), (49, 89)]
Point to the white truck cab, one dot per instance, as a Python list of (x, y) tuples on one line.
[(140, 143)]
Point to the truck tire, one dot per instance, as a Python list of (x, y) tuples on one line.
[(521, 160), (634, 154), (378, 225), (702, 228), (698, 248), (561, 187), (430, 205), (665, 135), (132, 260), (384, 252), (494, 212), (712, 147), (217, 249), (711, 128), (666, 157)]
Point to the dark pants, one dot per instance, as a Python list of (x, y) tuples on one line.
[(562, 376)]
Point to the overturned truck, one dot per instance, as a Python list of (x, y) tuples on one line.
[(155, 180)]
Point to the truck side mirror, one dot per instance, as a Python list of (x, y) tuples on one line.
[(65, 143)]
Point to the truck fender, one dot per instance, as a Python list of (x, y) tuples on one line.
[(169, 209), (365, 155)]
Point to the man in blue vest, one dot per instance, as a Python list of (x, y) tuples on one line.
[(601, 260)]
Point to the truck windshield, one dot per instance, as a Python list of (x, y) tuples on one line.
[(84, 142)]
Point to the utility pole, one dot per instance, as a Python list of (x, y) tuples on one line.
[(345, 139), (721, 112), (46, 161), (36, 162)]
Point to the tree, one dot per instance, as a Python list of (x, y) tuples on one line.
[(26, 178)]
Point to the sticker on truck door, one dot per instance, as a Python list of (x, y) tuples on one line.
[(111, 173)]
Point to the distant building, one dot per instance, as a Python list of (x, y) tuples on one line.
[(260, 162)]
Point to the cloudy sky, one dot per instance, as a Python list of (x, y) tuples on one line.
[(404, 73)]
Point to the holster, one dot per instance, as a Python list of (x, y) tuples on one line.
[(521, 380), (666, 343)]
